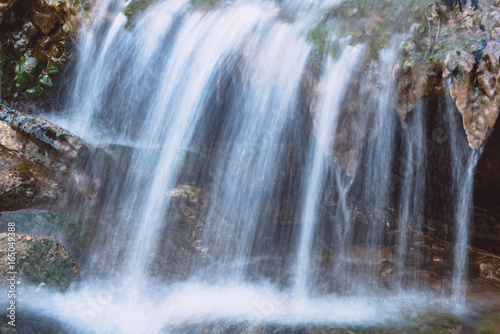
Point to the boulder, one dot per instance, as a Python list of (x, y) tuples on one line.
[(36, 139), (36, 161), (73, 233), (38, 260)]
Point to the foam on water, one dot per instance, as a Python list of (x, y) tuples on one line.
[(125, 308)]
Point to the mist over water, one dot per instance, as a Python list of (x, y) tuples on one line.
[(230, 81)]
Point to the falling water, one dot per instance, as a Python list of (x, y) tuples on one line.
[(232, 79), (257, 128), (464, 162), (337, 74), (412, 195)]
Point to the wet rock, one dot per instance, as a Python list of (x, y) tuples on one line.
[(17, 187), (27, 322), (181, 244), (5, 7), (428, 323), (460, 51), (28, 69), (134, 6), (73, 233), (38, 140), (37, 159), (486, 265), (35, 42), (488, 323), (479, 106), (39, 260)]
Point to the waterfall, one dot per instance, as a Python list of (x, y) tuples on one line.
[(297, 147), (464, 162), (337, 75)]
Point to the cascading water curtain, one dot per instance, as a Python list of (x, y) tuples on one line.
[(232, 81)]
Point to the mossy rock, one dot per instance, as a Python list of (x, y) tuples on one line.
[(34, 46), (204, 5), (28, 69), (40, 261), (71, 232), (134, 8)]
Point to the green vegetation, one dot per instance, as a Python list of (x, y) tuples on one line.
[(204, 5)]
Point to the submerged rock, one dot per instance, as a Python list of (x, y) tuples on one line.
[(181, 245), (39, 260)]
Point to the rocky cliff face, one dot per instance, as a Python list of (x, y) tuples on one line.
[(451, 51), (460, 56)]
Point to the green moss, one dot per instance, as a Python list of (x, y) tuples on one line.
[(204, 5), (319, 36), (132, 7), (489, 324), (466, 45), (45, 263), (423, 29), (28, 69), (34, 92), (383, 41), (423, 44), (442, 46), (477, 18), (52, 70), (437, 58), (57, 36)]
